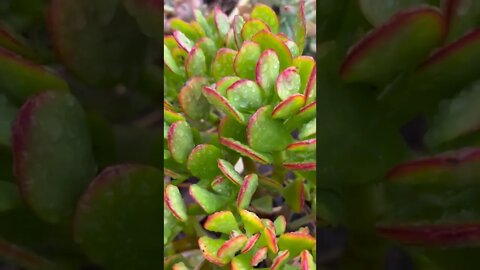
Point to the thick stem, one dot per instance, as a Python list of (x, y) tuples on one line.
[(278, 169)]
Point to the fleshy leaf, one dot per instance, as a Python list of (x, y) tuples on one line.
[(20, 79), (223, 63), (180, 141), (221, 103), (202, 161), (229, 171), (288, 107), (280, 261), (404, 40), (221, 22), (442, 235), (306, 260), (280, 225), (259, 256), (222, 222), (210, 247), (247, 59), (266, 134), (252, 27), (249, 186), (169, 61), (224, 187), (268, 235), (191, 99), (195, 65), (246, 151), (308, 130), (378, 12), (245, 95), (296, 242), (267, 70), (185, 28), (209, 202), (83, 26), (241, 262), (231, 246), (223, 84), (267, 40), (251, 222), (209, 49), (112, 206), (53, 125), (250, 243), (172, 116), (183, 41), (303, 146), (288, 83), (180, 266), (230, 128), (175, 203), (294, 194), (300, 26), (311, 87), (305, 67), (267, 15), (301, 166), (238, 23)]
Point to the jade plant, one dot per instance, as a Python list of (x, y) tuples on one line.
[(398, 117), (239, 142)]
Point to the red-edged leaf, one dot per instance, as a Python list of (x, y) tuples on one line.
[(231, 246), (288, 83), (303, 146), (221, 103), (294, 194), (221, 22), (251, 222), (250, 243), (280, 261), (222, 65), (175, 203), (245, 95), (301, 166), (245, 150), (224, 83), (229, 171), (271, 239), (222, 222), (247, 59), (210, 247), (259, 256), (267, 15), (238, 23), (202, 161), (280, 224), (267, 70), (267, 40), (180, 141), (195, 65), (208, 201), (306, 261), (191, 99), (252, 27), (183, 41), (441, 235), (288, 107), (265, 133), (296, 242), (249, 186)]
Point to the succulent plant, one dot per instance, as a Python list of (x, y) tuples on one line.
[(240, 136)]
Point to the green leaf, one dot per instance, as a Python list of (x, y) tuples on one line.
[(209, 202), (221, 22), (267, 70), (294, 194), (223, 63), (288, 83), (20, 79), (305, 66), (246, 151), (266, 134), (209, 49), (288, 107), (267, 40), (251, 243), (209, 248), (267, 15), (82, 26), (169, 61), (247, 59), (281, 259), (183, 41), (300, 27), (259, 256), (252, 27), (251, 222), (180, 141), (205, 26), (191, 99), (202, 161), (280, 225), (223, 84), (53, 125), (224, 187), (307, 261), (185, 28), (405, 40), (195, 65), (238, 23), (175, 203), (112, 206), (296, 242), (222, 104), (7, 116), (378, 12), (241, 262), (462, 16), (230, 128), (245, 95), (222, 222), (231, 246), (308, 130), (249, 186), (229, 171)]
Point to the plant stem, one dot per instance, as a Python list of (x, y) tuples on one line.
[(301, 221), (278, 169)]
